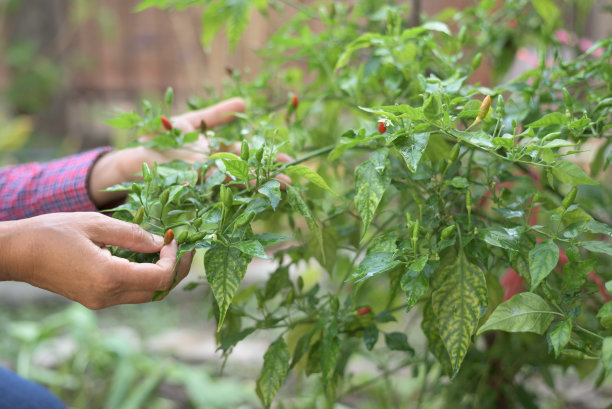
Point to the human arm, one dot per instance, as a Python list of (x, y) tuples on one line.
[(124, 165), (66, 253), (76, 183)]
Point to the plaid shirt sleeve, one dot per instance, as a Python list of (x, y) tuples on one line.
[(37, 188)]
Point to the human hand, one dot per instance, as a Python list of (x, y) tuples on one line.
[(66, 253), (124, 165)]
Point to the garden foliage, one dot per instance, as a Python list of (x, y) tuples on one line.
[(423, 215)]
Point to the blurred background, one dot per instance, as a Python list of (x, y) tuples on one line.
[(65, 67), (68, 64)]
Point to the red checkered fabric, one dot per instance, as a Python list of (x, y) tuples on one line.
[(37, 188)]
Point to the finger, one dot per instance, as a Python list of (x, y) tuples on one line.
[(215, 115), (285, 180), (147, 276), (283, 158), (183, 124), (135, 297), (184, 266), (108, 231)]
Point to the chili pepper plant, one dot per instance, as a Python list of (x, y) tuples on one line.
[(415, 191)]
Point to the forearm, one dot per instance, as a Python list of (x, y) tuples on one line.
[(9, 250), (37, 188)]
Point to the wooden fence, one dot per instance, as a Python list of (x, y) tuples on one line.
[(143, 53)]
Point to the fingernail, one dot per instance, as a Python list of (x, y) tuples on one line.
[(158, 240)]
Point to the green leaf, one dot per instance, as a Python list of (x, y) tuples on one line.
[(415, 284), (554, 118), (506, 238), (397, 341), (437, 26), (273, 372), (557, 143), (225, 268), (412, 149), (459, 300), (298, 204), (407, 111), (547, 9), (330, 346), (309, 174), (598, 247), (212, 20), (431, 108), (237, 168), (371, 184), (374, 264), (267, 239), (542, 259), (127, 120), (525, 312), (599, 228), (605, 316), (234, 338), (239, 16), (224, 155), (459, 182), (252, 248), (432, 333), (365, 40), (571, 174), (559, 335), (145, 390), (606, 355), (272, 191), (370, 336)]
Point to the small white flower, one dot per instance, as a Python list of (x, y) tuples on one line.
[(385, 121)]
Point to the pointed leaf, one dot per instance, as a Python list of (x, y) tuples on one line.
[(298, 204), (272, 191), (598, 247), (525, 312), (412, 149), (237, 168), (554, 118), (542, 259), (432, 333), (252, 248), (330, 347), (370, 336), (371, 186), (398, 341), (571, 174), (459, 300), (374, 264), (559, 335), (225, 268), (309, 174), (273, 372)]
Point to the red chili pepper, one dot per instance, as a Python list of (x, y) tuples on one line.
[(295, 101), (166, 123), (364, 311), (168, 237), (382, 128)]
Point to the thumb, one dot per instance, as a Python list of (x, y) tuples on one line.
[(108, 231)]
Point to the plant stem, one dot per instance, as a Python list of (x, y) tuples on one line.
[(586, 331), (304, 158)]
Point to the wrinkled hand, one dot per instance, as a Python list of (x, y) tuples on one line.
[(124, 165), (66, 253)]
